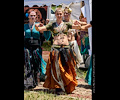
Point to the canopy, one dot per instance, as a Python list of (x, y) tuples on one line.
[(48, 2)]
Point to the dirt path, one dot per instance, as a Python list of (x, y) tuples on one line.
[(83, 90)]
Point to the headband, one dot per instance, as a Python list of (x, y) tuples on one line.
[(69, 9)]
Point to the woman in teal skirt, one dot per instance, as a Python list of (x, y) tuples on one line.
[(34, 65)]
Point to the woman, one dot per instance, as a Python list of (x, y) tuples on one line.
[(67, 14), (71, 33), (88, 77), (61, 63), (34, 65)]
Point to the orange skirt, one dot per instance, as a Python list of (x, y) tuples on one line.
[(67, 72)]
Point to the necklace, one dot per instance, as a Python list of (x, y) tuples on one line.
[(31, 28)]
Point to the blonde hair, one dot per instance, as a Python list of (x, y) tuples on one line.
[(59, 8), (68, 9)]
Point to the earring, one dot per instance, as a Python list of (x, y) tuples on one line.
[(26, 14)]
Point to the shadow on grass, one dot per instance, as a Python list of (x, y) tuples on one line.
[(52, 91), (85, 86)]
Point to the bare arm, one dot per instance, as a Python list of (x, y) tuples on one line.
[(40, 27), (77, 27), (84, 27), (79, 22)]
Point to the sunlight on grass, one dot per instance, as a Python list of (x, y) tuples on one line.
[(40, 95), (32, 95), (81, 73)]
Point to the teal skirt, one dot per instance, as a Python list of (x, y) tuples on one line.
[(88, 77), (34, 67)]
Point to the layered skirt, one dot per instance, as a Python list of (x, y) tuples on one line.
[(60, 69), (76, 49), (34, 67)]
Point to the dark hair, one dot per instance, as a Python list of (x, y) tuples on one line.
[(35, 6), (26, 6), (91, 22)]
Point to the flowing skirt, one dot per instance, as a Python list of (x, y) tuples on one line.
[(60, 69), (34, 67), (77, 52), (88, 77)]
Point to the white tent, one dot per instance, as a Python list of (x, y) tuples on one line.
[(48, 2), (72, 4)]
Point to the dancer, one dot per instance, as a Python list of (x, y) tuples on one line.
[(71, 33), (61, 63), (34, 65), (88, 77)]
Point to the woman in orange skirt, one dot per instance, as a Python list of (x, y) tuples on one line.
[(60, 69)]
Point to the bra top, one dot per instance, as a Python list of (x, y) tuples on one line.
[(35, 33), (58, 29)]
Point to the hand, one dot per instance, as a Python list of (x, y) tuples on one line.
[(76, 22), (47, 21), (37, 25), (84, 27), (41, 24)]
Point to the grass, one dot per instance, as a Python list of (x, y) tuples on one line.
[(81, 73), (32, 95), (40, 95)]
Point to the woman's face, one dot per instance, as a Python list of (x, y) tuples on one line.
[(59, 15), (66, 15), (32, 16)]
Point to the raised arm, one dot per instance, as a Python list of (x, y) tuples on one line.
[(79, 22), (84, 27), (40, 27), (77, 27)]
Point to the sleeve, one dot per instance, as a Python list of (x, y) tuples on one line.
[(49, 26), (69, 24)]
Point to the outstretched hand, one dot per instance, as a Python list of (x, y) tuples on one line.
[(39, 25)]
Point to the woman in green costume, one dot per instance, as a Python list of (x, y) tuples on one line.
[(60, 70)]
